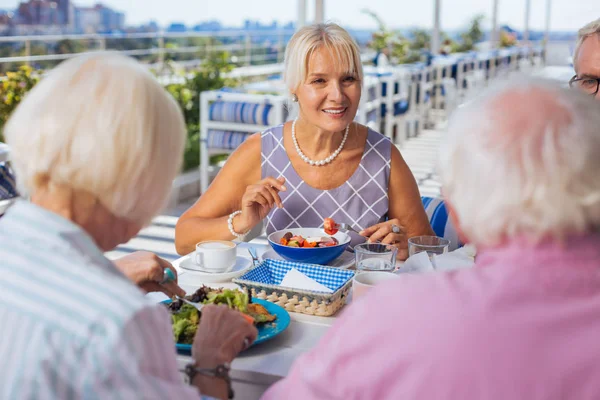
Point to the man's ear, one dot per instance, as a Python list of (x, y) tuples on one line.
[(455, 221)]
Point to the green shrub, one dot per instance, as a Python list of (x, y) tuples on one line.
[(14, 87), (209, 76)]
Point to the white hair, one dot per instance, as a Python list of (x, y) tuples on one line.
[(523, 160), (344, 51), (100, 123), (593, 28)]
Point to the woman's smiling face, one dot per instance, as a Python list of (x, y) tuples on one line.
[(330, 94)]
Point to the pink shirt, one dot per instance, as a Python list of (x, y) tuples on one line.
[(523, 324)]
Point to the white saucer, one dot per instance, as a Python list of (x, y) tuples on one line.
[(242, 264), (344, 261)]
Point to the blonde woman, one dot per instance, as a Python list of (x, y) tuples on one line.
[(95, 145), (321, 164)]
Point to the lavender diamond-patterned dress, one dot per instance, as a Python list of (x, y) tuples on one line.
[(361, 201)]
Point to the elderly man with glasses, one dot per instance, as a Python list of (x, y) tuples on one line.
[(586, 59)]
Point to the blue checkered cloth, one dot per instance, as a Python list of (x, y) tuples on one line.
[(8, 187), (271, 272)]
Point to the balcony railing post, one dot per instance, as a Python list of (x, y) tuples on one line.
[(27, 51), (102, 43), (248, 49), (161, 50), (280, 52)]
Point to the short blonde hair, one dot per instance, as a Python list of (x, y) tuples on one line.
[(593, 28), (103, 124), (310, 38), (522, 160)]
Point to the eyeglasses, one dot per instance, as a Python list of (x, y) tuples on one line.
[(587, 85)]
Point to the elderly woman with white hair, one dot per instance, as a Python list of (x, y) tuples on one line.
[(96, 145), (322, 164), (520, 171)]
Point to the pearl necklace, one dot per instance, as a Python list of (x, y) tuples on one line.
[(320, 162)]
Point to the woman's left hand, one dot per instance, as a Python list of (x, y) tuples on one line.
[(389, 232), (147, 270)]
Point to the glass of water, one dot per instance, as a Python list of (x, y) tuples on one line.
[(375, 257), (433, 245)]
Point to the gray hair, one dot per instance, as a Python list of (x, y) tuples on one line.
[(593, 28), (522, 160), (100, 123)]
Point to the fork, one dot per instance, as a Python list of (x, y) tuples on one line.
[(346, 227), (254, 256), (198, 306)]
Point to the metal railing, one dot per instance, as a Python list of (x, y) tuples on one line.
[(245, 47)]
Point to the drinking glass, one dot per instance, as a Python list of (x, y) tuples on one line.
[(375, 257), (433, 245)]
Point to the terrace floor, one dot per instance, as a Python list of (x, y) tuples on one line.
[(420, 154)]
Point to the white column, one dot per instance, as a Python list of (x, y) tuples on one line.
[(319, 11), (301, 14), (548, 15), (526, 28), (495, 37), (435, 35)]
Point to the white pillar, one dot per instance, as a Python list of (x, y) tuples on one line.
[(319, 11), (526, 28), (301, 14), (435, 35), (548, 14), (495, 37)]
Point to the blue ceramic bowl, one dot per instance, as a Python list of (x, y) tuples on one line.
[(309, 255)]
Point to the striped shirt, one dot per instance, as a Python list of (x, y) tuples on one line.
[(72, 326)]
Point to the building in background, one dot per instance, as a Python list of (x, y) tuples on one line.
[(98, 19)]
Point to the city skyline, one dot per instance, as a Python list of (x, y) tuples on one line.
[(455, 13)]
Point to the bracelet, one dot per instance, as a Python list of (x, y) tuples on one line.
[(230, 225), (220, 371)]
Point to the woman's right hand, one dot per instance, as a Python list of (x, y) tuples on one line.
[(257, 202)]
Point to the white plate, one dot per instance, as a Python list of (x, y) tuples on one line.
[(242, 264), (346, 260)]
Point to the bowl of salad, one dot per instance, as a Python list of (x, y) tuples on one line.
[(310, 245)]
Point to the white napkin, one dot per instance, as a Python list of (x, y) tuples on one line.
[(297, 280), (420, 262), (417, 263), (460, 258)]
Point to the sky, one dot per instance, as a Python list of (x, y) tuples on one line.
[(566, 15)]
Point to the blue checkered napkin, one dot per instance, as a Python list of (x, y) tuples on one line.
[(271, 272)]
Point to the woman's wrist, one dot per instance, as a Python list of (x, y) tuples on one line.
[(211, 386), (240, 225)]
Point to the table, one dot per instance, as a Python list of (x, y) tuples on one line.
[(264, 364)]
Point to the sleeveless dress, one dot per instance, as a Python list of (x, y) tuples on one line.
[(361, 201)]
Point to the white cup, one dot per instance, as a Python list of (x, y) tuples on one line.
[(215, 255), (364, 281)]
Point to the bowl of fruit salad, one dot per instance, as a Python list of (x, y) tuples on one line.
[(310, 245)]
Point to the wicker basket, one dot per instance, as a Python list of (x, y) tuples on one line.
[(297, 300)]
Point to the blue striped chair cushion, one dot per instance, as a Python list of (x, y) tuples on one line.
[(218, 139), (8, 187), (438, 218), (241, 112), (372, 116), (372, 93), (400, 107)]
